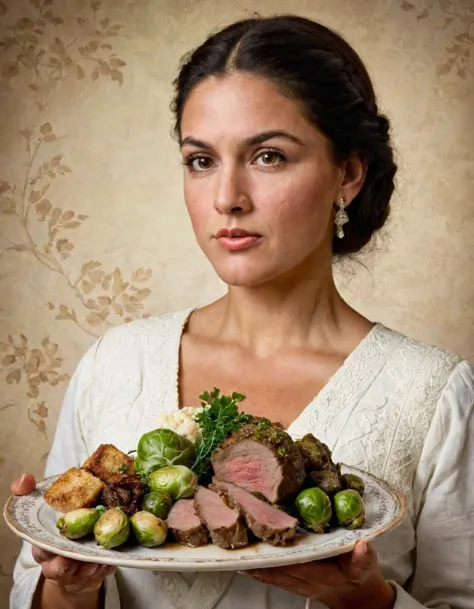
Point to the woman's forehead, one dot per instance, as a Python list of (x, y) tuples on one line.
[(240, 105)]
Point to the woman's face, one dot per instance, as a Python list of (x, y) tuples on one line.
[(259, 183)]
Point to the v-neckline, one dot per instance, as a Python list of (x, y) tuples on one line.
[(344, 369)]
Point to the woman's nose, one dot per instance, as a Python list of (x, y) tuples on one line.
[(231, 196)]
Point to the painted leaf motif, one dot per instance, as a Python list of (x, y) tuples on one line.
[(90, 266), (93, 319), (117, 76), (142, 294), (14, 377), (7, 360)]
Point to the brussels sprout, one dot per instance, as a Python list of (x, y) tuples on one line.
[(176, 480), (157, 503), (79, 523), (314, 507), (112, 529), (353, 482), (349, 509), (149, 530), (160, 448), (326, 481)]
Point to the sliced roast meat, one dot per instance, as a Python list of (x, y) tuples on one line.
[(225, 524), (262, 458), (184, 524), (264, 520)]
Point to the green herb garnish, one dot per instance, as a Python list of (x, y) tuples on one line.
[(218, 420), (123, 468)]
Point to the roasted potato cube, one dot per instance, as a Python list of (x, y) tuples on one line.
[(109, 464), (75, 489)]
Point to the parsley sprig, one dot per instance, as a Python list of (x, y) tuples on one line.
[(218, 420)]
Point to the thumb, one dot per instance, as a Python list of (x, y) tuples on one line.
[(25, 485), (359, 564)]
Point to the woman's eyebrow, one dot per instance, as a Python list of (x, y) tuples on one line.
[(253, 140)]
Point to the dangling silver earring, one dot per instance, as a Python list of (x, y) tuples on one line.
[(341, 218)]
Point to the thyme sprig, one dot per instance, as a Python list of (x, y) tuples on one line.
[(217, 421)]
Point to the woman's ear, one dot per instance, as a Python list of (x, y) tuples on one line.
[(353, 172)]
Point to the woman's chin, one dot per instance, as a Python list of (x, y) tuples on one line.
[(244, 277)]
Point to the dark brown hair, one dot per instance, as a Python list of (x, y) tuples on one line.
[(317, 68)]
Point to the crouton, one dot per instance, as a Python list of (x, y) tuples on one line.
[(75, 489), (109, 464)]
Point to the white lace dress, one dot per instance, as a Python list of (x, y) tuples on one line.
[(397, 408)]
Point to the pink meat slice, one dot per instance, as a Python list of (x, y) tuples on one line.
[(185, 525), (264, 520), (224, 523)]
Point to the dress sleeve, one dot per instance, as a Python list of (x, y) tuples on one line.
[(444, 563), (68, 450)]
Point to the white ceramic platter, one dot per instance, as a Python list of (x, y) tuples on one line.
[(33, 520)]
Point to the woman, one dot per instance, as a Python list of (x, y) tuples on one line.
[(288, 164)]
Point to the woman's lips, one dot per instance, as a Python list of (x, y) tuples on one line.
[(237, 239), (237, 244)]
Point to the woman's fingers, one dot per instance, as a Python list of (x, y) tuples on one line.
[(359, 564), (41, 555), (24, 485), (283, 580), (60, 567)]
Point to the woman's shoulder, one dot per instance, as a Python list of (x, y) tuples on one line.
[(414, 354), (426, 369), (140, 333)]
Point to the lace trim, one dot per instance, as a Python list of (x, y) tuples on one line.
[(381, 428)]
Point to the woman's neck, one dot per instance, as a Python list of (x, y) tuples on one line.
[(291, 312)]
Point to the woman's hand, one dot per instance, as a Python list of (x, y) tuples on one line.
[(63, 578), (349, 581)]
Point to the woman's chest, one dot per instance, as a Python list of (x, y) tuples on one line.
[(279, 388)]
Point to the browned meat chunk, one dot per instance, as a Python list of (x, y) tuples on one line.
[(224, 524), (316, 455), (184, 524), (262, 458), (126, 494), (264, 520)]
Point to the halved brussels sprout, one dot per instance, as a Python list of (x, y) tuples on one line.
[(163, 447), (349, 509), (79, 523), (314, 507), (149, 530), (177, 480), (112, 529), (157, 503), (327, 481), (353, 482)]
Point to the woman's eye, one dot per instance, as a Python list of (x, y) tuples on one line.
[(269, 158), (199, 163)]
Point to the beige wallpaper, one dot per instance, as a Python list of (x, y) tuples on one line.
[(93, 230)]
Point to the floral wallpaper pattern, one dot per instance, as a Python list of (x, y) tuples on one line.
[(93, 232)]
